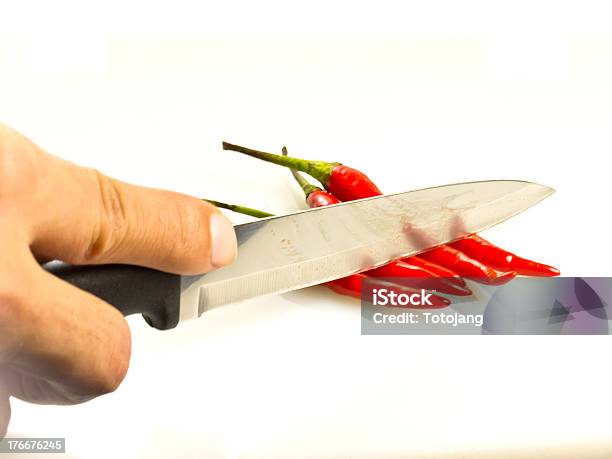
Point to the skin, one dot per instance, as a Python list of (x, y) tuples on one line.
[(59, 344)]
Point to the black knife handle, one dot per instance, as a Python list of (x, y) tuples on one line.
[(131, 289)]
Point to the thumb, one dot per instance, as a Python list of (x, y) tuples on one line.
[(109, 221)]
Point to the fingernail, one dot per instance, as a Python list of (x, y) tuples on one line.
[(223, 241)]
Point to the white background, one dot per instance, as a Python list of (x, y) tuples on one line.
[(416, 94)]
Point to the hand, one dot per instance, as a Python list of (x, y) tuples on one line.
[(58, 344)]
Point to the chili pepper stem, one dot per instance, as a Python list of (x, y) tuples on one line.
[(304, 184), (321, 170), (240, 209)]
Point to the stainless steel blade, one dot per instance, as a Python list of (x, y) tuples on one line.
[(279, 254)]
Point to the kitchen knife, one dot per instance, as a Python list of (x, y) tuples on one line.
[(279, 254)]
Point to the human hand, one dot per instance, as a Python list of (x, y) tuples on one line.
[(59, 344)]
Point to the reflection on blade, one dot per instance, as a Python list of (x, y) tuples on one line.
[(279, 254)]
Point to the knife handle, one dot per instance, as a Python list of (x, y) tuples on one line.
[(131, 289)]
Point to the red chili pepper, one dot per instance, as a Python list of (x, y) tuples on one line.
[(468, 267), (418, 278), (485, 252), (316, 197), (349, 184), (345, 183), (352, 286), (437, 269)]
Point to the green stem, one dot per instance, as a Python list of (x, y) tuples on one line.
[(240, 209), (320, 170), (305, 185)]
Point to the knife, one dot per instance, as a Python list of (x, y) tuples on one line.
[(284, 253)]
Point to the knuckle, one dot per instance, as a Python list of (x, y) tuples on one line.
[(119, 359), (112, 370), (110, 229), (107, 381)]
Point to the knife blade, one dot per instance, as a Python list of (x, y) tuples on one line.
[(284, 253)]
